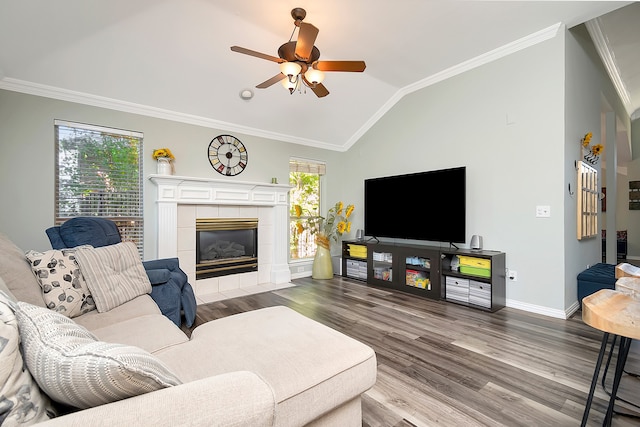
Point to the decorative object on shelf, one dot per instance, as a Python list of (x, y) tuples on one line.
[(227, 155), (590, 153), (330, 228), (165, 159)]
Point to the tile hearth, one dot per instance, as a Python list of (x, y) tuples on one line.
[(240, 292)]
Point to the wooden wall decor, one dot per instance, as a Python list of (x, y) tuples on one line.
[(588, 198), (634, 195)]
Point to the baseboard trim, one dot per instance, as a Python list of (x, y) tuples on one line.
[(545, 311)]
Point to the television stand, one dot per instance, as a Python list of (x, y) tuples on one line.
[(428, 271)]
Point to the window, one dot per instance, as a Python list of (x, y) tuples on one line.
[(304, 177), (99, 173)]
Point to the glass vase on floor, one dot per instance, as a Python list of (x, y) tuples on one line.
[(322, 265)]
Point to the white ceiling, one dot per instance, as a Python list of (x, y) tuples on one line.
[(171, 58)]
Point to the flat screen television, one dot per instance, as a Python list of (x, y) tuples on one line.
[(420, 206)]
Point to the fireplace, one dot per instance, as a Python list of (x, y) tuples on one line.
[(226, 246)]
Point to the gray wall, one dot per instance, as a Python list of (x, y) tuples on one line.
[(504, 121), (27, 162)]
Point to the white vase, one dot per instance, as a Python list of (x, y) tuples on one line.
[(164, 166)]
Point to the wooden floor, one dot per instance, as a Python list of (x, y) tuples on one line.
[(444, 364)]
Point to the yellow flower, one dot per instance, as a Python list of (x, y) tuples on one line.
[(162, 152), (587, 139), (328, 228), (349, 211), (596, 150)]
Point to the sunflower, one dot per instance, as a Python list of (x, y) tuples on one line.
[(596, 150), (162, 152), (587, 139), (349, 211), (330, 228)]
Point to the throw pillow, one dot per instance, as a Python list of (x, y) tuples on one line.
[(63, 286), (21, 400), (76, 369), (114, 274)]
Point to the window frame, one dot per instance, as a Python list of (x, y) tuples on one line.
[(131, 226), (311, 167)]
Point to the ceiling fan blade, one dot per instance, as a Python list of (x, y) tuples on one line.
[(320, 90), (306, 38), (256, 54), (353, 66), (273, 80)]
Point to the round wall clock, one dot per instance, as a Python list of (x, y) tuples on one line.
[(227, 155)]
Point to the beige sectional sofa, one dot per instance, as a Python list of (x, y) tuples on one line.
[(268, 367)]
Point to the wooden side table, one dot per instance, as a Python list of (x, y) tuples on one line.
[(615, 313)]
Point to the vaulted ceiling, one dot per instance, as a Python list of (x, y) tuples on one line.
[(172, 58)]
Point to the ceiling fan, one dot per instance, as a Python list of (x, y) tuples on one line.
[(299, 60)]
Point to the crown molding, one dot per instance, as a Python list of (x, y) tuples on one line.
[(606, 55), (493, 55), (53, 92), (145, 110)]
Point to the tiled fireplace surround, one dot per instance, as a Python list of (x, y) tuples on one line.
[(180, 200)]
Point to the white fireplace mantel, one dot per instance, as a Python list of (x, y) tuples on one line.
[(175, 190), (183, 189)]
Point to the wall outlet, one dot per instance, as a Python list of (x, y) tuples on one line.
[(543, 211), (513, 275)]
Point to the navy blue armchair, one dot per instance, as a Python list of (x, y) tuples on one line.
[(169, 286)]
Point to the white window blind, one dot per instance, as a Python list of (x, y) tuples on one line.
[(307, 166), (99, 173)]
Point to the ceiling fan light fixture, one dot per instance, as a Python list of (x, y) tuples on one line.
[(290, 85), (290, 69), (314, 76)]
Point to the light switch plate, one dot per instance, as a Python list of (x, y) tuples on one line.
[(543, 211)]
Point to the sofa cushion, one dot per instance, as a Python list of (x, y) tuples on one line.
[(16, 273), (63, 286), (151, 332), (113, 273), (139, 306), (21, 401), (76, 369), (302, 360)]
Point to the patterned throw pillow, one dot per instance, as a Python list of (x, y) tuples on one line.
[(63, 286), (76, 369), (21, 401), (114, 274)]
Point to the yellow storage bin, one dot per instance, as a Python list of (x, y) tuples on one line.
[(358, 251), (470, 261)]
